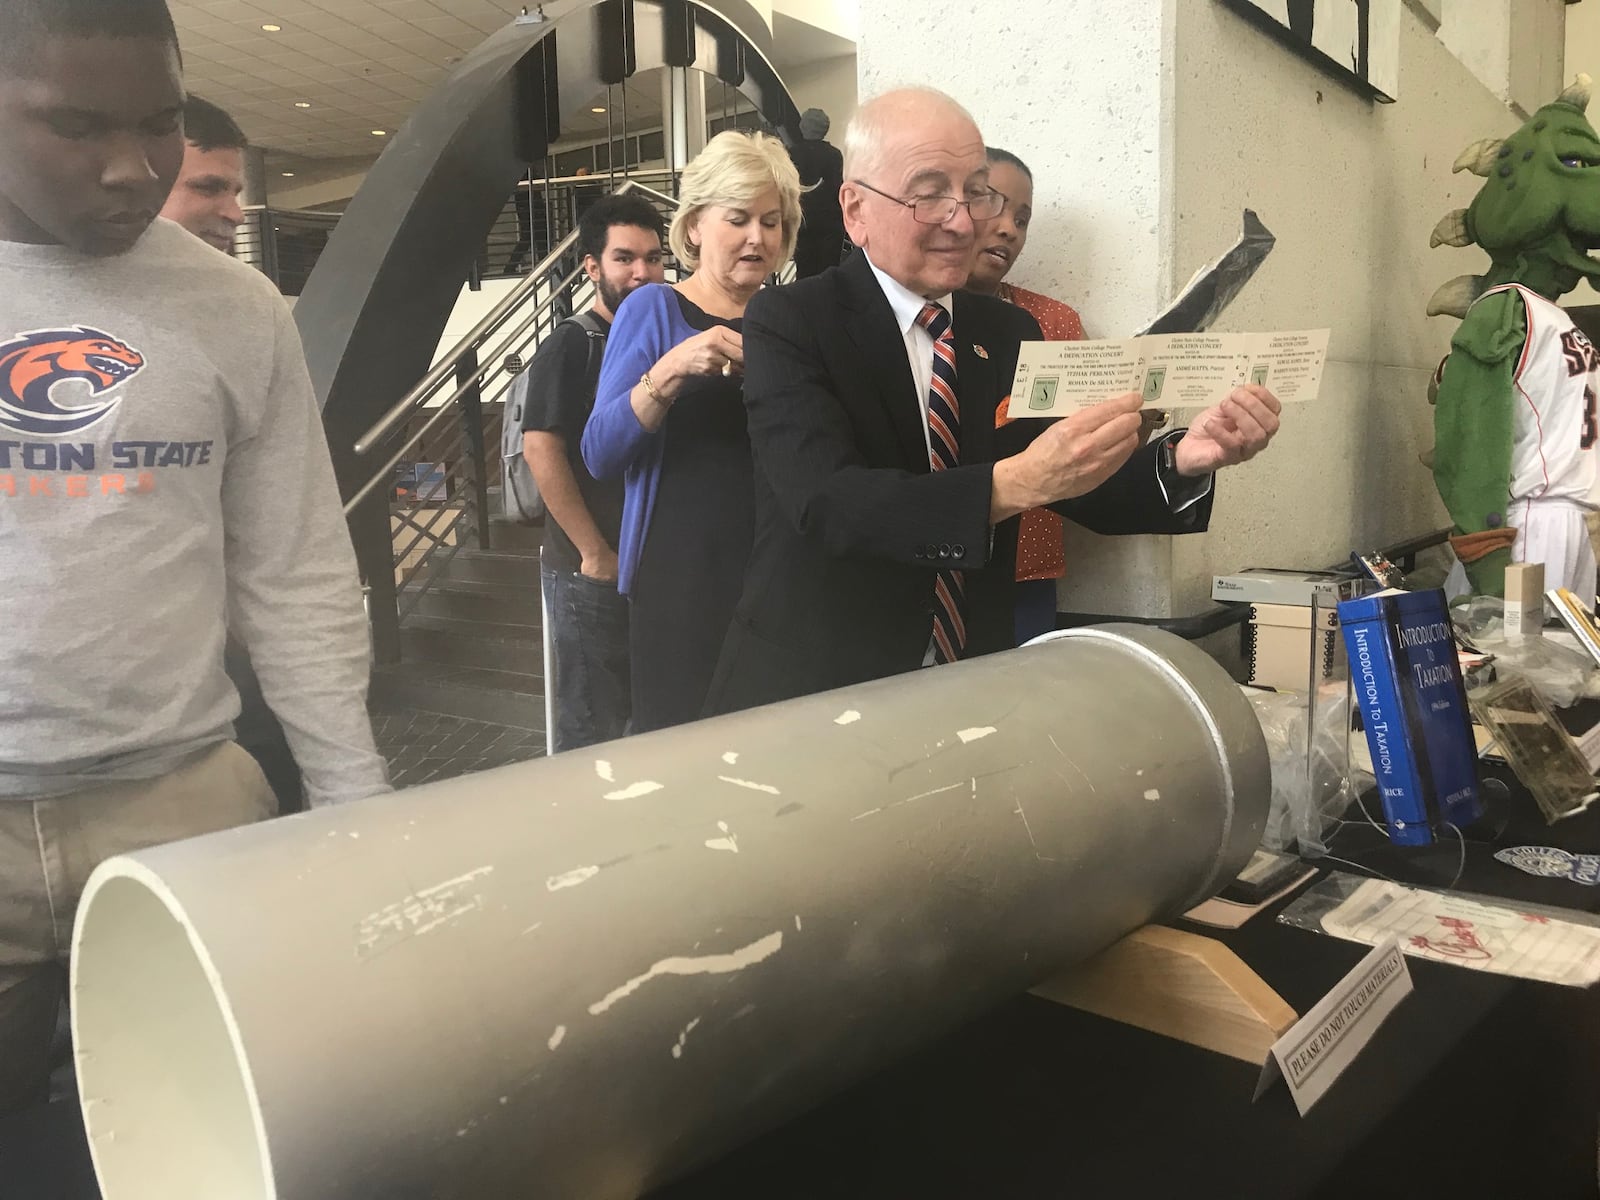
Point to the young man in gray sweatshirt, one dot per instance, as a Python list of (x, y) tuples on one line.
[(162, 470)]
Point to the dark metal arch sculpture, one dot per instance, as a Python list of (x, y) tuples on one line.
[(375, 306)]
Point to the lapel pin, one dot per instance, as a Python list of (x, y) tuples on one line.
[(979, 350)]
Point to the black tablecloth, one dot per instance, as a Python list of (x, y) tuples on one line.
[(1477, 1086)]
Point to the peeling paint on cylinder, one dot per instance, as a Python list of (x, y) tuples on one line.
[(961, 872)]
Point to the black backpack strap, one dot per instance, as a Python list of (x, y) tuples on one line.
[(596, 331), (589, 323)]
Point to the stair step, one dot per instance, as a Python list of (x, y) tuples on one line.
[(503, 697), (530, 634), (509, 535), (454, 643), (449, 581), (513, 568), (473, 601)]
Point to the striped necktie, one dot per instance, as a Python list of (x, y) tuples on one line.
[(944, 452)]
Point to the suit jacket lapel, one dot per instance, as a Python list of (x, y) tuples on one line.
[(976, 385), (873, 328)]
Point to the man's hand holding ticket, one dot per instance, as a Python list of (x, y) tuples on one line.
[(1078, 453), (1176, 370)]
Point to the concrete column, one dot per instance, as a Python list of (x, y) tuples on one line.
[(828, 84), (683, 114), (255, 176), (1515, 48), (1075, 88)]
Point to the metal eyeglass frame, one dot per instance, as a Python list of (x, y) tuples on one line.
[(917, 204)]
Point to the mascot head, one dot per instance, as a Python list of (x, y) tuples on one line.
[(1537, 215)]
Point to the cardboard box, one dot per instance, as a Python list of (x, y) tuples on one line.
[(1278, 645), (1261, 585)]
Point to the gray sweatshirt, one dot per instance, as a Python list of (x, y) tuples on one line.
[(163, 472)]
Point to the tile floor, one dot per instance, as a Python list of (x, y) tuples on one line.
[(426, 747)]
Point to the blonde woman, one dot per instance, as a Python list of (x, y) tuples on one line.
[(669, 418)]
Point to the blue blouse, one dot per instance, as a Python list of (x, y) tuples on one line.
[(649, 323)]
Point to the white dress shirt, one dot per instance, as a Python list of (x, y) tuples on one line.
[(907, 307)]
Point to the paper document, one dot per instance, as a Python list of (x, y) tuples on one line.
[(1484, 937), (1170, 370)]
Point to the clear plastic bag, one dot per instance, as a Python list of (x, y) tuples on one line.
[(1312, 784), (1560, 675), (1464, 929)]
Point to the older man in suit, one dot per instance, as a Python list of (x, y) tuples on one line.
[(885, 497)]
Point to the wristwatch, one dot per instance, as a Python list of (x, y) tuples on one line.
[(1168, 452)]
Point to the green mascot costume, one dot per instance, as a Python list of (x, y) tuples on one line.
[(1515, 455)]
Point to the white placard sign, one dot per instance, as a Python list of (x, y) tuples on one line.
[(1170, 370), (1320, 1045)]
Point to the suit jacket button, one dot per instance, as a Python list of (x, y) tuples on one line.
[(930, 551), (958, 550), (944, 550), (919, 552)]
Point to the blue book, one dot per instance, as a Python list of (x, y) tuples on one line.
[(1414, 706)]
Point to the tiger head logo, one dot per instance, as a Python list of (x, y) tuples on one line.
[(40, 370)]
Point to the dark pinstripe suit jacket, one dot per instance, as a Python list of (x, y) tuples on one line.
[(850, 521)]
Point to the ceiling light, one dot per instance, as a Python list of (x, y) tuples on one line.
[(272, 29), (288, 174), (302, 104), (380, 133), (598, 109)]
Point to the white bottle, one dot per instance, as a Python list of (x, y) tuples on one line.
[(1524, 601)]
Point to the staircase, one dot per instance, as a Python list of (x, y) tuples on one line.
[(461, 611), (473, 645)]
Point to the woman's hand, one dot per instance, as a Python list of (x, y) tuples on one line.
[(717, 351)]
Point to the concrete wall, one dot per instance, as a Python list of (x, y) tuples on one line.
[(842, 18), (471, 307), (1582, 40), (830, 85), (1514, 47), (1352, 191), (1075, 87)]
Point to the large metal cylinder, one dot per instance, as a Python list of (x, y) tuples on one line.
[(584, 975)]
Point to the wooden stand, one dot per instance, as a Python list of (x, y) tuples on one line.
[(1180, 985)]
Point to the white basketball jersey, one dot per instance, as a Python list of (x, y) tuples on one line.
[(1554, 454)]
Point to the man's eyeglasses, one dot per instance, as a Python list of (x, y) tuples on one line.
[(936, 210)]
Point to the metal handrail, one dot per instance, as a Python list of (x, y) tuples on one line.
[(582, 180), (445, 368), (467, 385), (497, 316), (485, 369)]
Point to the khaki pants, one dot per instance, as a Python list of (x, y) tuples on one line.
[(49, 846)]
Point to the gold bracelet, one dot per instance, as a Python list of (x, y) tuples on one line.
[(654, 395)]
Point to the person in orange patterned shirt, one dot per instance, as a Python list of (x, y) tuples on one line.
[(1040, 557)]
